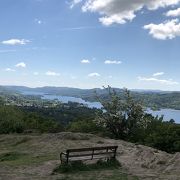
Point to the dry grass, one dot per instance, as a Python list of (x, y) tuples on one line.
[(36, 156)]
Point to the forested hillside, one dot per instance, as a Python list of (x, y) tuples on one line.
[(122, 117), (152, 99)]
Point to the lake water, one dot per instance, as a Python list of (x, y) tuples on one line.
[(65, 99), (167, 113)]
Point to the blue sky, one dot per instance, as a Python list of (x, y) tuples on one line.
[(90, 43)]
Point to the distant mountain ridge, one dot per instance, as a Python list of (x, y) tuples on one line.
[(54, 89), (63, 91), (150, 98)]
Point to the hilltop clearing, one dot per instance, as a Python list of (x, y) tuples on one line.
[(36, 156)]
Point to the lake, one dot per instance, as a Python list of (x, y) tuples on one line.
[(167, 113), (64, 99)]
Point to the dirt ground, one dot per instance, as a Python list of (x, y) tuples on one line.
[(36, 156)]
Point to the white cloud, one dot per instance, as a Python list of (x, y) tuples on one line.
[(166, 30), (94, 75), (73, 77), (21, 65), (158, 74), (74, 2), (15, 42), (51, 73), (173, 13), (9, 70), (112, 62), (35, 73), (121, 11), (38, 21), (161, 81), (85, 61)]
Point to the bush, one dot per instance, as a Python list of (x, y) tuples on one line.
[(86, 126), (14, 120), (126, 119)]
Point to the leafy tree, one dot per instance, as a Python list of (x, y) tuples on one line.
[(123, 117), (14, 120), (126, 119), (163, 135), (10, 120)]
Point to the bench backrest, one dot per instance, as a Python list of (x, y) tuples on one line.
[(92, 153), (112, 148)]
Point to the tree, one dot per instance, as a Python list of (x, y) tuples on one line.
[(123, 117)]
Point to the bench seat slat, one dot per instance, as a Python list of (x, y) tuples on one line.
[(89, 158), (79, 155)]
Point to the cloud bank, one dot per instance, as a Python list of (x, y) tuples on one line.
[(13, 42), (158, 74), (173, 13), (51, 73), (112, 62), (121, 11), (161, 81), (166, 30), (85, 61), (94, 75), (21, 65)]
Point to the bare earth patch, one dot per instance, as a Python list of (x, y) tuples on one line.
[(40, 156)]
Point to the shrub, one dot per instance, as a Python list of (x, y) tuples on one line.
[(86, 126)]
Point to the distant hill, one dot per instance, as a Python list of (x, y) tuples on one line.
[(88, 94), (151, 98)]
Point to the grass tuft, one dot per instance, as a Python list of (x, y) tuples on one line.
[(10, 156), (80, 166)]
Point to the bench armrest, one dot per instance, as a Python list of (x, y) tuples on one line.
[(61, 155)]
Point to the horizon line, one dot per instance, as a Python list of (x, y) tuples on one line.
[(132, 89)]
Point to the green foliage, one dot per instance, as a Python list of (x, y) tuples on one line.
[(84, 126), (11, 156), (50, 119), (164, 136), (125, 119), (10, 120), (80, 166), (65, 113), (14, 120), (39, 122), (160, 100), (121, 117)]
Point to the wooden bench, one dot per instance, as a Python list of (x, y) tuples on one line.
[(107, 152)]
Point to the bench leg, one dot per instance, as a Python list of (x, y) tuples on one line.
[(67, 158)]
